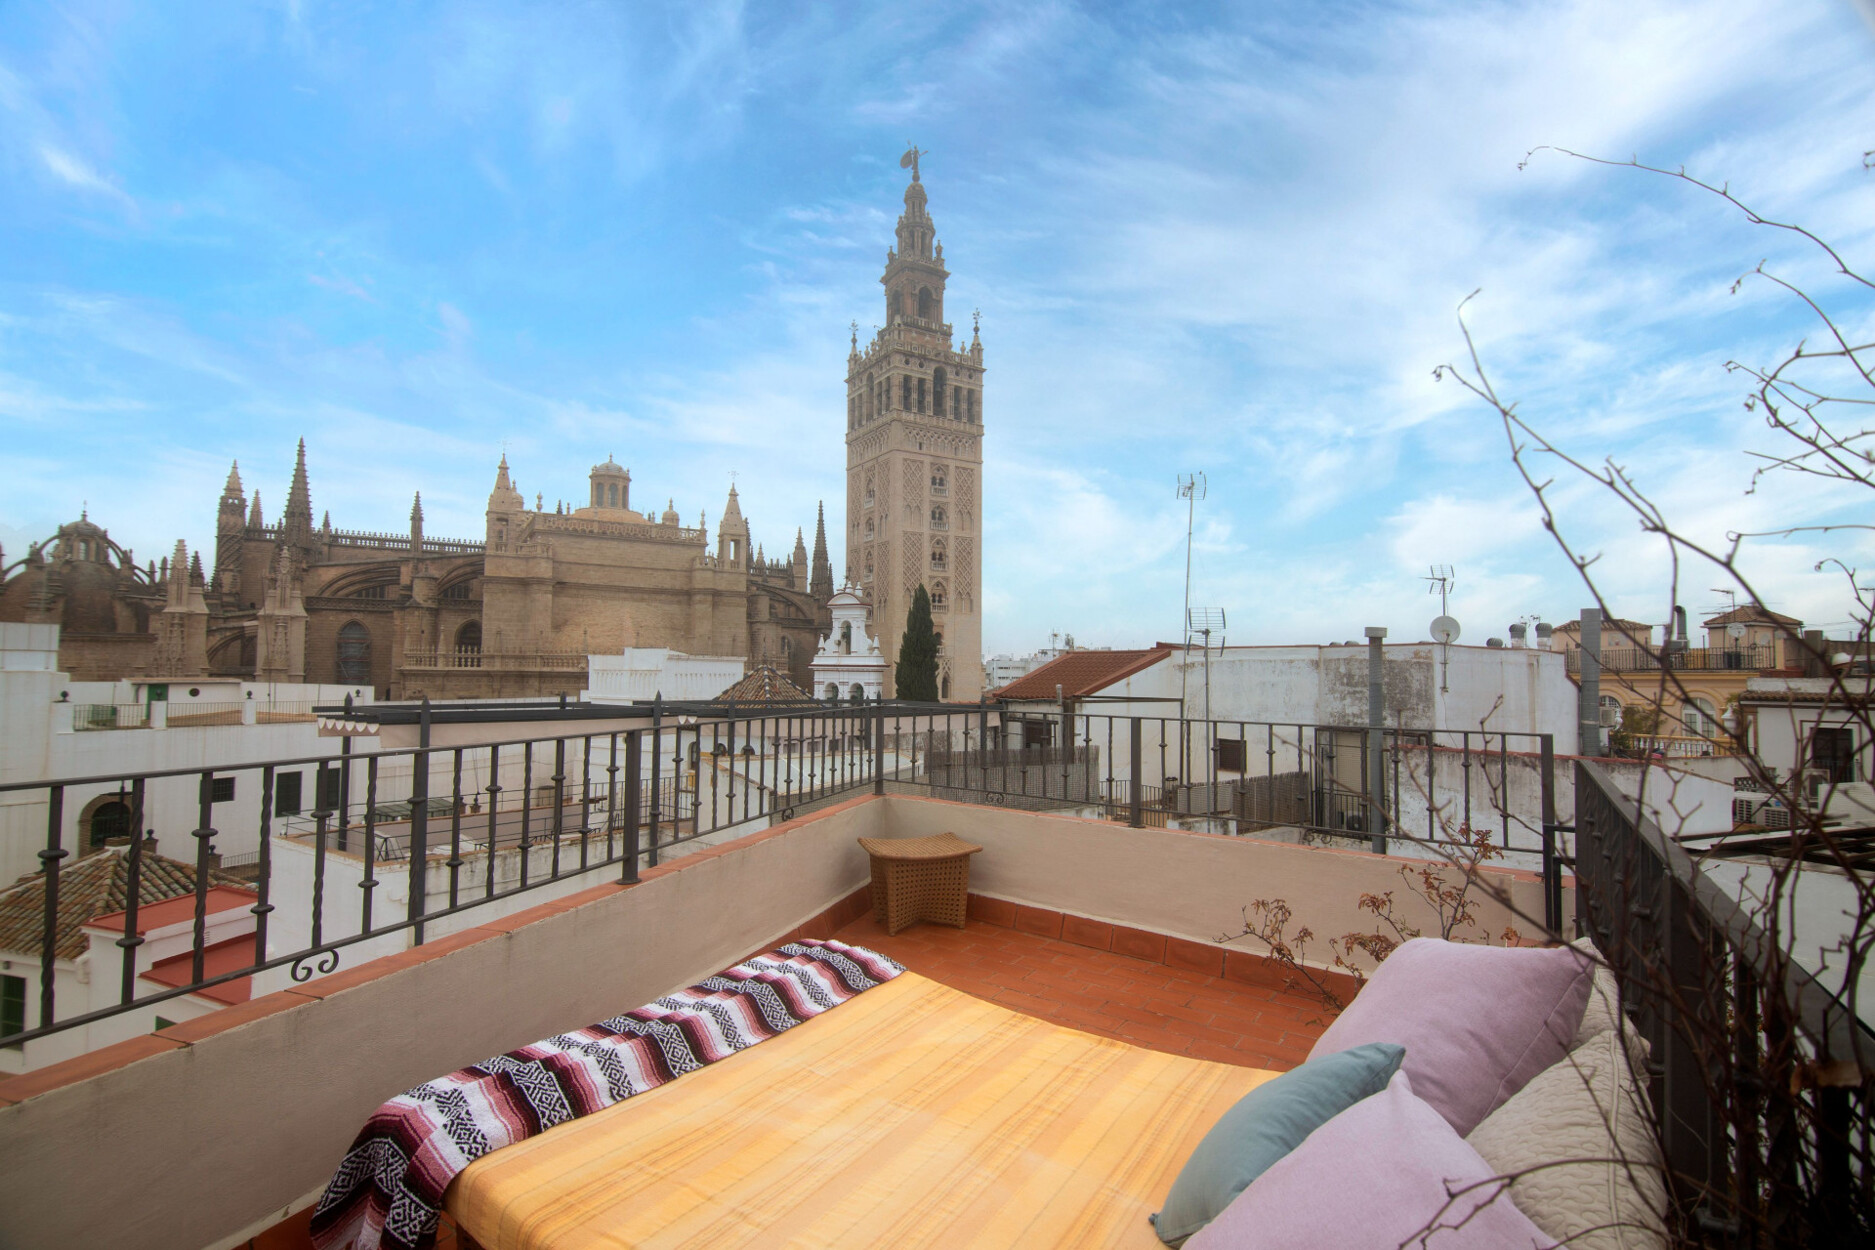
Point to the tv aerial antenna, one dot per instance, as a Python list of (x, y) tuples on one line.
[(1191, 488), (1444, 627)]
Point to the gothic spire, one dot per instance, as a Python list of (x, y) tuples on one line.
[(254, 518), (820, 584), (298, 515), (233, 489)]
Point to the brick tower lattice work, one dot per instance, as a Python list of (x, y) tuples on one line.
[(914, 456)]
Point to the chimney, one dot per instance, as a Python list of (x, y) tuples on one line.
[(1589, 708), (1518, 630)]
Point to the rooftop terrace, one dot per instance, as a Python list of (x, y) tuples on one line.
[(1084, 923)]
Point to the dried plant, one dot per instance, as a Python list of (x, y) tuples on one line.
[(1762, 1079)]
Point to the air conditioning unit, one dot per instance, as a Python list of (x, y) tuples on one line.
[(1611, 718), (1765, 813)]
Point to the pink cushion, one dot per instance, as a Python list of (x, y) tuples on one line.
[(1477, 1021), (1374, 1178)]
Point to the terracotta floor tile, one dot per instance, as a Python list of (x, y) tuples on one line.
[(1149, 1004)]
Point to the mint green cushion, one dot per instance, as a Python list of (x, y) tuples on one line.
[(1266, 1124)]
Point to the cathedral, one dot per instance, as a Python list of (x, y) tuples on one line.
[(516, 612)]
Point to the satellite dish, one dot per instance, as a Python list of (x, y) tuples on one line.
[(1735, 629), (1444, 629)]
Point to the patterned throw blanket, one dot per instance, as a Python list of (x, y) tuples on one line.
[(389, 1189)]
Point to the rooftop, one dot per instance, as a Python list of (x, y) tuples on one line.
[(1086, 924), (1080, 673)]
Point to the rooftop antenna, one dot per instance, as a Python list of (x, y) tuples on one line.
[(1191, 488), (1444, 626), (1204, 622)]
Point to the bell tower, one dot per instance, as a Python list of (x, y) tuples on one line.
[(914, 458)]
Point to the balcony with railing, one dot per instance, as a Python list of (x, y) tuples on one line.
[(455, 899), (446, 659), (1691, 659)]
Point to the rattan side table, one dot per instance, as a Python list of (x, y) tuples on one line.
[(917, 879)]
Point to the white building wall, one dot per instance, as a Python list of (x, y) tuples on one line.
[(642, 673), (39, 743), (1501, 690)]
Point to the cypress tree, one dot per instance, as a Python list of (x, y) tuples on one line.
[(916, 675)]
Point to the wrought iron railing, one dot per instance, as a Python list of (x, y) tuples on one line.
[(445, 829), (1694, 659), (1762, 1080)]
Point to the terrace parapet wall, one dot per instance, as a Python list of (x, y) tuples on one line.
[(225, 1125)]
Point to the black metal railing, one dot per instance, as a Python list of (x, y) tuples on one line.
[(1762, 1080), (452, 828), (1693, 659)]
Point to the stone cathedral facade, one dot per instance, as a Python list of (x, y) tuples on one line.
[(914, 457), (513, 613)]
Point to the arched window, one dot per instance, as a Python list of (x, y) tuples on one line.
[(857, 694), (1700, 717), (921, 406), (833, 693), (974, 415), (940, 555), (108, 820), (469, 637), (940, 519), (611, 495), (904, 389), (868, 529), (354, 653), (846, 637), (869, 492), (957, 399), (940, 599), (937, 390), (598, 495), (940, 480), (869, 566), (926, 305), (891, 307)]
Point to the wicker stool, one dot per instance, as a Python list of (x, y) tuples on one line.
[(917, 879)]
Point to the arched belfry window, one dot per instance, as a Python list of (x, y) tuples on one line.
[(937, 390), (926, 305), (940, 598), (940, 480), (940, 555), (940, 519), (846, 638), (354, 653), (892, 306), (904, 388)]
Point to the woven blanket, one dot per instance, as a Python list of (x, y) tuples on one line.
[(389, 1189)]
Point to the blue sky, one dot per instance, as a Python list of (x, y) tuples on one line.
[(1228, 238)]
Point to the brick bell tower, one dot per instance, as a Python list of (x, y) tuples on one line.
[(914, 459)]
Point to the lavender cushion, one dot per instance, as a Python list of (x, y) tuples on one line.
[(1376, 1176), (1477, 1021)]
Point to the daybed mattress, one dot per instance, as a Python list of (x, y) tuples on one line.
[(914, 1115)]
